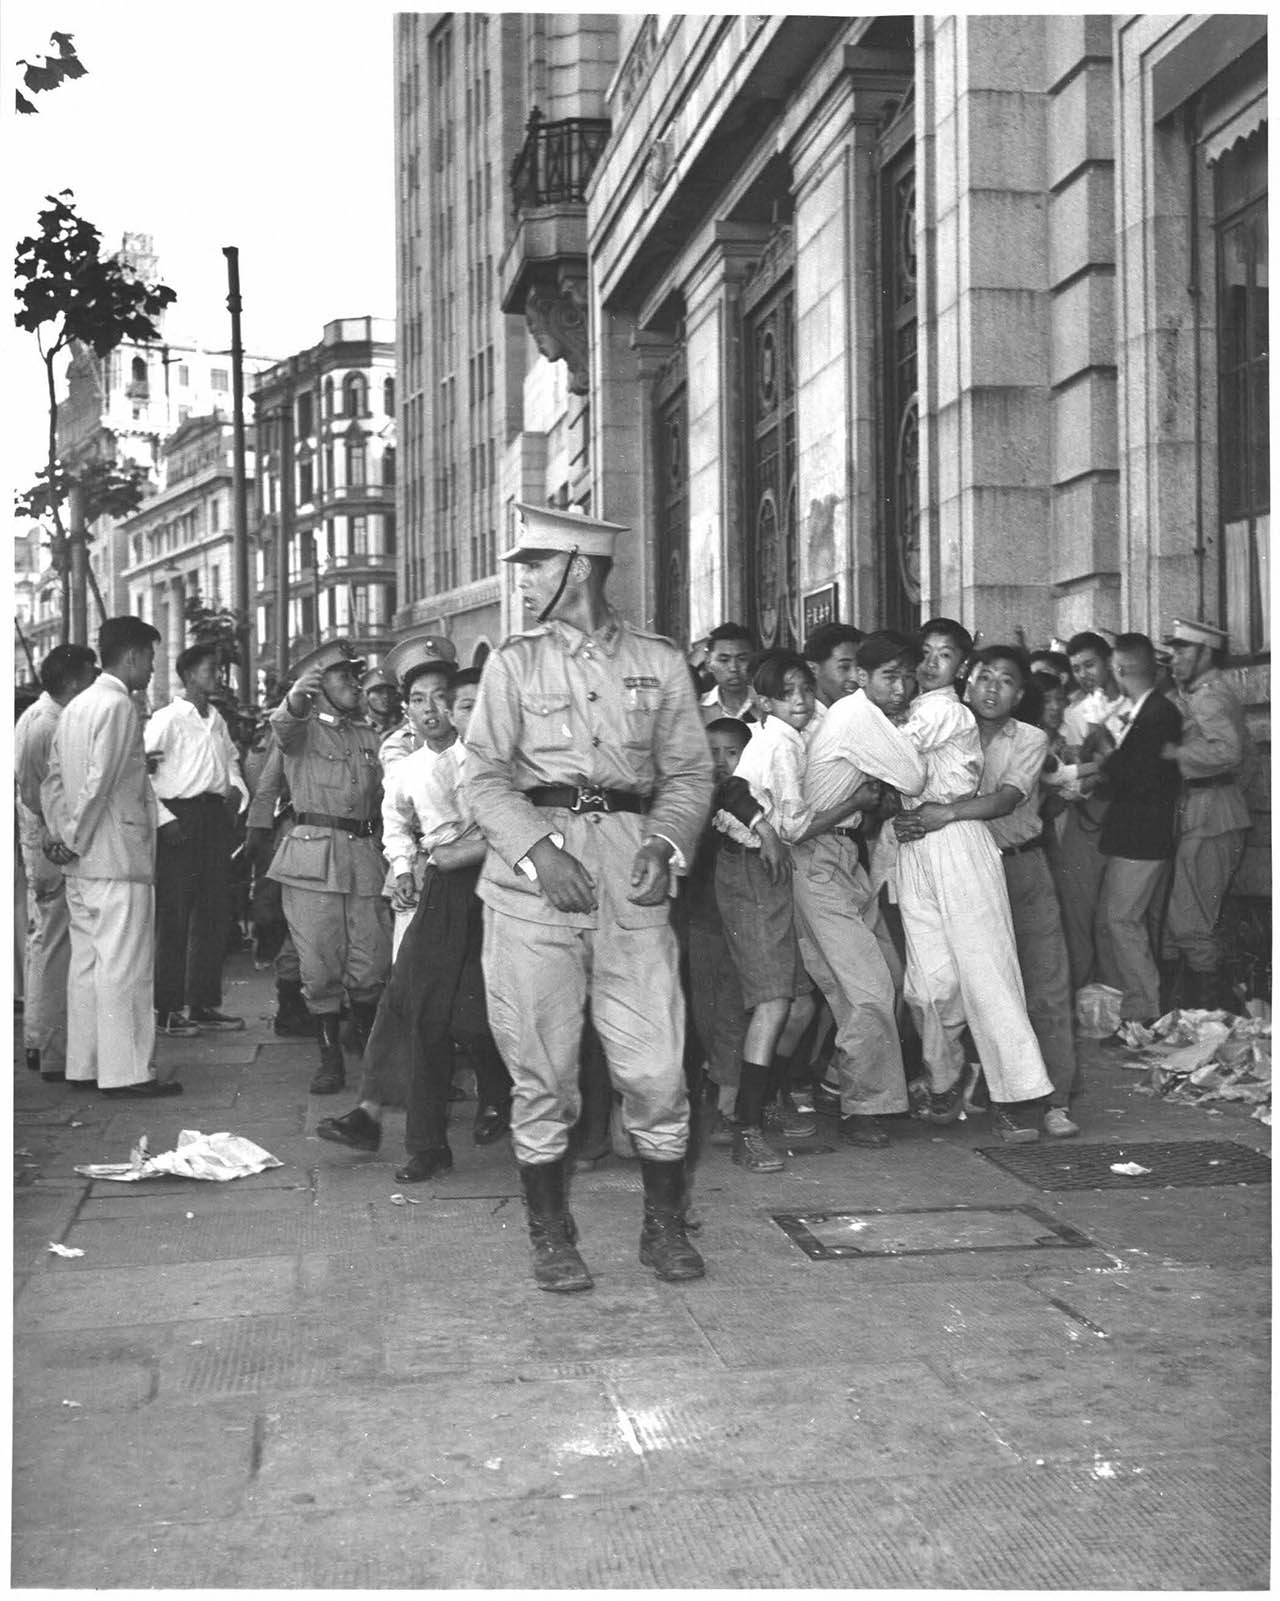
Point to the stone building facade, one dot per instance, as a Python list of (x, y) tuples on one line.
[(324, 562), (891, 316)]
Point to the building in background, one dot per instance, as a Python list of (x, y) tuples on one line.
[(325, 424), (122, 408), (180, 545), (499, 120), (37, 604)]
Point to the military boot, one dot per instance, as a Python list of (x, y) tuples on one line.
[(292, 1017), (664, 1246), (332, 1073), (556, 1264), (362, 1016)]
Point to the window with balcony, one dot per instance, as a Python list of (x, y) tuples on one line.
[(357, 459), (359, 536), (389, 465), (306, 482)]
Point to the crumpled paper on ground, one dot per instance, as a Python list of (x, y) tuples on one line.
[(218, 1157), (1200, 1056)]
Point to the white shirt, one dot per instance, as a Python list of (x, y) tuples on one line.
[(404, 803), (1096, 707), (1015, 757), (712, 707), (945, 732), (32, 736), (853, 742), (196, 755), (773, 764)]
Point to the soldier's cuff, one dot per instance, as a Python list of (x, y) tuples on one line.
[(678, 863), (525, 866)]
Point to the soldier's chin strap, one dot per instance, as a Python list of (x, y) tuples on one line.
[(564, 579)]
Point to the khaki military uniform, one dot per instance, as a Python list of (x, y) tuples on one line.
[(332, 876), (612, 710), (1214, 757)]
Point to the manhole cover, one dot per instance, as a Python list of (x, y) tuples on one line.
[(925, 1231), (1170, 1164)]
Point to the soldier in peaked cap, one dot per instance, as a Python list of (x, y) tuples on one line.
[(590, 777), (329, 864), (403, 663), (1214, 756)]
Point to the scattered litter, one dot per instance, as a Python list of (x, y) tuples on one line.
[(76, 1123), (218, 1157), (405, 1200), (64, 1250), (190, 1215), (1196, 1057), (493, 1463), (73, 1403), (1098, 1010), (196, 1342), (22, 1153), (1131, 1170)]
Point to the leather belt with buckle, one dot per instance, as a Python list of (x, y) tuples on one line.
[(575, 798), (357, 827)]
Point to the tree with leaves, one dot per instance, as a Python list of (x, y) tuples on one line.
[(49, 71), (69, 293)]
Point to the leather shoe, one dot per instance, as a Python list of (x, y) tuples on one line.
[(491, 1124), (860, 1129), (423, 1165), (149, 1089), (355, 1128)]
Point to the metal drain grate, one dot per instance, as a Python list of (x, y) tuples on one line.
[(1170, 1164), (925, 1231)]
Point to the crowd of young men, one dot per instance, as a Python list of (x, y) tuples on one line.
[(876, 837)]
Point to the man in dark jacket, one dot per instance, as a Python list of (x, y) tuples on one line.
[(1138, 833)]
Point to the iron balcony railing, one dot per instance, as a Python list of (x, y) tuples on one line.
[(556, 161)]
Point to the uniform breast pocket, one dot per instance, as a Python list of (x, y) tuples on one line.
[(547, 722), (640, 710), (332, 775)]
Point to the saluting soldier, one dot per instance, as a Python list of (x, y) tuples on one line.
[(1213, 756), (590, 776), (329, 863)]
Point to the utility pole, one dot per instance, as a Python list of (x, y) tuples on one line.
[(243, 595), (78, 556)]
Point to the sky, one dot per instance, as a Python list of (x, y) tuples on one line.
[(267, 126)]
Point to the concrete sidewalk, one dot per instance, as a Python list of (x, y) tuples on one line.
[(292, 1381)]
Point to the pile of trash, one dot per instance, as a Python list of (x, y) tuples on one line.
[(1198, 1057), (217, 1157)]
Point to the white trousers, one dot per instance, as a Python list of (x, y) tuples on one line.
[(962, 965), (111, 1020), (48, 953)]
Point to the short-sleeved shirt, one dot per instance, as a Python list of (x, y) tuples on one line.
[(1015, 757)]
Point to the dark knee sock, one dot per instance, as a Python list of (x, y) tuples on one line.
[(753, 1085), (779, 1078)]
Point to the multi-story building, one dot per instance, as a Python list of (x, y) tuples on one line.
[(326, 451), (488, 108), (180, 545), (37, 604), (122, 407)]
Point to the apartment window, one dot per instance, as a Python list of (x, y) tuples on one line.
[(359, 536), (184, 377), (328, 397), (389, 465), (389, 396), (305, 425), (215, 586), (357, 459), (219, 379), (328, 469), (355, 394), (306, 483), (1244, 455), (215, 515)]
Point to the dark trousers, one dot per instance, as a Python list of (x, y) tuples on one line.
[(447, 1004), (193, 906)]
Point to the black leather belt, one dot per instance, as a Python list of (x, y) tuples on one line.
[(358, 828), (1218, 781), (190, 800), (574, 799), (1036, 844)]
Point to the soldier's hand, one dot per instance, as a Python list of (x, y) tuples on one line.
[(404, 897), (649, 873), (306, 685), (562, 878)]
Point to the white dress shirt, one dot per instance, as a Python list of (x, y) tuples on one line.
[(195, 755)]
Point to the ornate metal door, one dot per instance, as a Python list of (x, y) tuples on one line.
[(769, 347), (671, 457), (899, 533)]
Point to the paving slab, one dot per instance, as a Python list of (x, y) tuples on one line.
[(81, 1297)]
